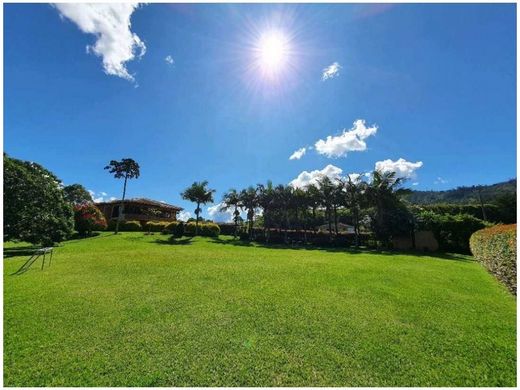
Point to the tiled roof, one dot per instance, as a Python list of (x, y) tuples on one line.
[(145, 201)]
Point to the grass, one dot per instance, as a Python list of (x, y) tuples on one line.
[(136, 310)]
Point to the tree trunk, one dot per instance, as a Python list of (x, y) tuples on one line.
[(197, 219), (236, 221), (356, 228), (329, 217), (121, 207), (336, 219)]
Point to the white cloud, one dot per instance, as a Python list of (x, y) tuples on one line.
[(352, 140), (100, 196), (115, 43), (402, 168), (298, 154), (440, 180), (169, 60), (222, 216), (355, 177), (184, 215), (331, 71), (415, 184), (305, 178)]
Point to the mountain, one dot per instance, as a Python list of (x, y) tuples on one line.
[(463, 194)]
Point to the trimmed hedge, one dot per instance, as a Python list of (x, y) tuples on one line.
[(175, 228), (207, 229), (155, 226), (125, 226), (495, 249)]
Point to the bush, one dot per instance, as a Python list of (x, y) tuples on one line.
[(155, 226), (87, 218), (451, 231), (175, 228), (495, 249), (207, 229), (227, 229), (125, 226)]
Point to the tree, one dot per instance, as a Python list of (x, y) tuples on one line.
[(266, 200), (87, 218), (314, 201), (124, 169), (284, 199), (327, 194), (354, 200), (389, 214), (249, 200), (35, 208), (198, 193), (77, 194), (231, 199)]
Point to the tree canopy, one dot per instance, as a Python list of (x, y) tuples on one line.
[(77, 194), (35, 208)]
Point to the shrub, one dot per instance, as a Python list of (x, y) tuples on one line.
[(495, 249), (209, 229), (175, 228), (125, 226), (129, 226), (155, 226), (227, 228), (87, 218), (451, 231), (190, 229)]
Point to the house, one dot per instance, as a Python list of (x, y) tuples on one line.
[(139, 209)]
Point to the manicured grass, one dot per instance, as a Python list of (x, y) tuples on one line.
[(138, 310)]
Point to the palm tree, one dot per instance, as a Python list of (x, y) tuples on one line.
[(265, 197), (327, 189), (381, 194), (231, 199), (283, 200), (354, 191), (198, 193), (249, 200), (300, 203), (338, 197), (124, 169), (314, 201)]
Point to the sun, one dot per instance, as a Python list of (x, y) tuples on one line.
[(272, 52)]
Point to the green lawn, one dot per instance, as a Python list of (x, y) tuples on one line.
[(136, 310)]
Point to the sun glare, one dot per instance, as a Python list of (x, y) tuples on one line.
[(272, 52)]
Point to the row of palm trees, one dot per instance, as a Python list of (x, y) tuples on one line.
[(284, 207)]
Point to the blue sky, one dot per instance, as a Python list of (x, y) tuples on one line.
[(434, 84)]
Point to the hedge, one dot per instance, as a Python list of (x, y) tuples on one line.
[(125, 226), (495, 249), (451, 231), (207, 229), (175, 228), (155, 226)]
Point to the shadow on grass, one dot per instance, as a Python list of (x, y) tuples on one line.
[(173, 241), (27, 250), (342, 249)]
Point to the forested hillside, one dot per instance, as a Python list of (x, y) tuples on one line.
[(464, 195)]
